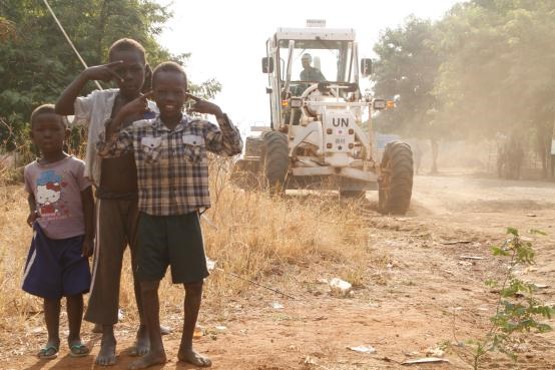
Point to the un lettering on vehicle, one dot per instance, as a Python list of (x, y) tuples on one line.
[(338, 133), (340, 122)]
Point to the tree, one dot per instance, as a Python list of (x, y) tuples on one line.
[(36, 62), (485, 70), (497, 75), (406, 72)]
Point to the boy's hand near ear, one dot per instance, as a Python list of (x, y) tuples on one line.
[(204, 106)]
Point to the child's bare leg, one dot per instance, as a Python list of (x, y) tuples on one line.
[(142, 341), (52, 320), (193, 298), (75, 317), (151, 313), (107, 354)]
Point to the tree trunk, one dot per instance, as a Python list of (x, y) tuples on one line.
[(544, 134), (435, 151)]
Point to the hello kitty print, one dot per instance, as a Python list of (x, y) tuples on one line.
[(49, 193)]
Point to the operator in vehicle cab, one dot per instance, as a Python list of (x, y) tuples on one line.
[(310, 73)]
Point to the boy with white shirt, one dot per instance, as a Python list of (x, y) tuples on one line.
[(115, 180)]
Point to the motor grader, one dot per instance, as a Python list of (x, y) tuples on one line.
[(320, 132)]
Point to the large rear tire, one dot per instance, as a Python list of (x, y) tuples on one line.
[(396, 179), (276, 160)]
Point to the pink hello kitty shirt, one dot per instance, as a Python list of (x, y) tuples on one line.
[(57, 189)]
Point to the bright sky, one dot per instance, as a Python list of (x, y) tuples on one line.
[(227, 39)]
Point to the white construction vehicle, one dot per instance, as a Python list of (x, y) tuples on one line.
[(316, 138)]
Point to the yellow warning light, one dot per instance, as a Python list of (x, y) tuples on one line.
[(390, 104), (285, 103)]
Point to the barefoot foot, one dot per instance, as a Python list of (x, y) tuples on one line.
[(142, 342), (194, 358), (148, 360), (107, 354)]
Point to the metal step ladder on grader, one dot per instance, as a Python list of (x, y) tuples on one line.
[(317, 138)]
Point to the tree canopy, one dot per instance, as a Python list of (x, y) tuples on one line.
[(36, 62), (406, 71), (485, 67)]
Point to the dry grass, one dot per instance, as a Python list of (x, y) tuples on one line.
[(251, 234)]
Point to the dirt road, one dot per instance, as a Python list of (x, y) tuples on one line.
[(417, 293)]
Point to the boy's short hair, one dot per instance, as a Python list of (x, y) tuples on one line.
[(168, 67), (126, 44), (46, 109)]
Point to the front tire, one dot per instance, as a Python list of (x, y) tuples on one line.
[(396, 179), (276, 160)]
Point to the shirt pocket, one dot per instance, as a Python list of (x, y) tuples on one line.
[(193, 148), (150, 148)]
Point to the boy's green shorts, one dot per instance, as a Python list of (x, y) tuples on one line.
[(170, 240)]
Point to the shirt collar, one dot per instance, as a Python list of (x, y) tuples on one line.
[(185, 120)]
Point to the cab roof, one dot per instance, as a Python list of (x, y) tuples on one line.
[(315, 33)]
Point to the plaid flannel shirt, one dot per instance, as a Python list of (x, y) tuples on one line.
[(172, 166)]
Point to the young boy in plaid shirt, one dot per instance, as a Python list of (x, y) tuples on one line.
[(172, 170)]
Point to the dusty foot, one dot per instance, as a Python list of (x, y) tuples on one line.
[(107, 354), (142, 342), (194, 358), (148, 360)]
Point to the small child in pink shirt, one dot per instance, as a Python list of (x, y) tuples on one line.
[(62, 216)]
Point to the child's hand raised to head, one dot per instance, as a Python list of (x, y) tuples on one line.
[(204, 106), (135, 107), (104, 72)]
